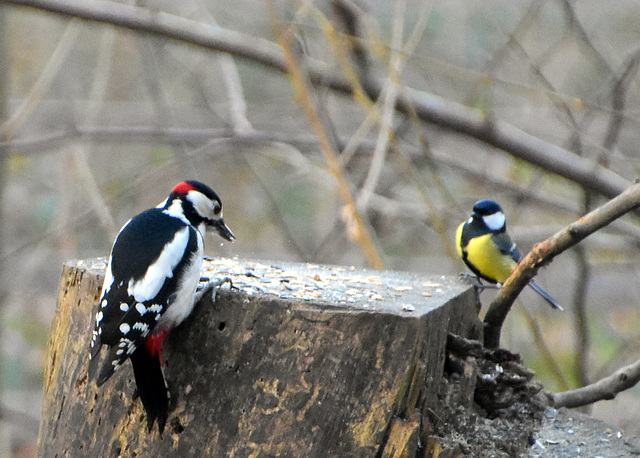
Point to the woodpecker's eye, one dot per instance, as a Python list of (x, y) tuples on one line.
[(217, 208)]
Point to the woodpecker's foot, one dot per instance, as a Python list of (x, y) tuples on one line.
[(212, 285)]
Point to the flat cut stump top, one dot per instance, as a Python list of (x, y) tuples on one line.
[(338, 286)]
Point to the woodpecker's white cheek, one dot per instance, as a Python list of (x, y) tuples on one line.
[(148, 287), (494, 222), (201, 203)]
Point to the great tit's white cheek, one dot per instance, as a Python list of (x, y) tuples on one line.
[(494, 222)]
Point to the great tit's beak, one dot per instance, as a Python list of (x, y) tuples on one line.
[(222, 229)]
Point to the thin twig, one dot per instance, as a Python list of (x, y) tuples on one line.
[(581, 366), (390, 94), (231, 79), (547, 355), (358, 231), (79, 148), (43, 83), (545, 251), (606, 388), (202, 138), (278, 214)]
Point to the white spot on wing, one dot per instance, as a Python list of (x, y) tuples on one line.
[(124, 307), (142, 327), (141, 308), (148, 287), (125, 328), (494, 222), (99, 317)]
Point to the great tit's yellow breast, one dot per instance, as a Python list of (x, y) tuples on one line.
[(485, 255)]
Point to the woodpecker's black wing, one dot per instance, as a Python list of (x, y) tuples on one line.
[(146, 264)]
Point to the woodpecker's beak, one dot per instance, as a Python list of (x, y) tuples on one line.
[(222, 229)]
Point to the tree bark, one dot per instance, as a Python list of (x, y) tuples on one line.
[(296, 360)]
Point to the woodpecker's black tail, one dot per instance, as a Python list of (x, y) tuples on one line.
[(152, 386), (538, 289)]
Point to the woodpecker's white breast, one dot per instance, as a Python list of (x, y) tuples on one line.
[(182, 304)]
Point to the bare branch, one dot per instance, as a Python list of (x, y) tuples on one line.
[(42, 85), (200, 138), (545, 251), (606, 388), (231, 78), (358, 231), (547, 355), (390, 94), (581, 366), (429, 108)]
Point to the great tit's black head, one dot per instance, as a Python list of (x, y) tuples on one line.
[(490, 213)]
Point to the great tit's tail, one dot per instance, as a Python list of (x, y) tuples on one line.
[(538, 289)]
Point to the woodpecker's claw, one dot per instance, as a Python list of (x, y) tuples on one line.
[(211, 285)]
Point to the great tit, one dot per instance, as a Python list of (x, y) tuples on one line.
[(486, 248)]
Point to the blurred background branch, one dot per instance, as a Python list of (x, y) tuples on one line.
[(351, 132), (429, 107)]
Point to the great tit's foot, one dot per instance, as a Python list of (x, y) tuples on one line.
[(475, 281)]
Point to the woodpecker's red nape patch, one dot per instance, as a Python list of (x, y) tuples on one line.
[(153, 343), (183, 187)]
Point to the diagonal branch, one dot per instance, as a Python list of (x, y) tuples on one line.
[(606, 388), (544, 252), (428, 107)]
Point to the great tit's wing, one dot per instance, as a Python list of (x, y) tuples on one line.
[(506, 245)]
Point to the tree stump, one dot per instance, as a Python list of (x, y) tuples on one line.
[(295, 360)]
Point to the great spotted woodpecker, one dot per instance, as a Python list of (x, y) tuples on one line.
[(149, 287)]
